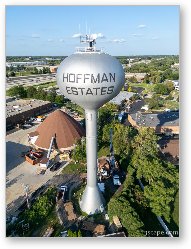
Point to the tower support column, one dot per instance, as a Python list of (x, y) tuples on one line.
[(92, 199)]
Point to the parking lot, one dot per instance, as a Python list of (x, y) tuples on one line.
[(19, 172), (29, 80)]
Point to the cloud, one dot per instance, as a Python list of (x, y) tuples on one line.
[(94, 36), (61, 40), (35, 36), (140, 26), (154, 38), (136, 35), (50, 40), (97, 35), (76, 35), (119, 40)]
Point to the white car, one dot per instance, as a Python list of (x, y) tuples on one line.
[(64, 188), (116, 180)]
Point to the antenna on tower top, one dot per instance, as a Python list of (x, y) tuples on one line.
[(91, 40)]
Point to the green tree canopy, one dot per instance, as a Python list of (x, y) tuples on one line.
[(31, 92), (160, 178), (18, 91), (79, 152), (128, 216)]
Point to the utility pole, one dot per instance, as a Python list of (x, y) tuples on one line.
[(26, 189)]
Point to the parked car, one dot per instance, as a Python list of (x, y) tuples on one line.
[(116, 180), (63, 188), (55, 166)]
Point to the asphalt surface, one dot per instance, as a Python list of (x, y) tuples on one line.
[(20, 172), (29, 80)]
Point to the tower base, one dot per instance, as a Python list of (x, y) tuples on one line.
[(92, 200)]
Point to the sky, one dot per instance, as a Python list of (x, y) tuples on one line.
[(120, 30)]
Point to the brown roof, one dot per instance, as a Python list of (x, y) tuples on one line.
[(70, 211), (63, 127), (170, 146), (99, 229)]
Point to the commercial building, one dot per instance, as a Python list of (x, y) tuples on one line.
[(163, 123), (18, 111), (58, 125), (25, 63)]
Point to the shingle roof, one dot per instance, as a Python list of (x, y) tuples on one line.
[(159, 119), (63, 127)]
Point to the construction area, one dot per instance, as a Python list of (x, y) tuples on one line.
[(34, 155)]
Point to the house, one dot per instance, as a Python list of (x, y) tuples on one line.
[(163, 123)]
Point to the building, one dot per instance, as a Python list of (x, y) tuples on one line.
[(163, 123), (18, 111), (139, 76), (170, 149), (53, 69), (120, 97), (58, 125), (25, 63)]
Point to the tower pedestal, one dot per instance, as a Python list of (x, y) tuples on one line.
[(92, 200)]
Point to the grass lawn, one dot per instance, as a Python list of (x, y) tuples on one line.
[(47, 84), (147, 87), (73, 168)]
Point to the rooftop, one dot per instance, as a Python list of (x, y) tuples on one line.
[(121, 96), (169, 146), (156, 119), (65, 129), (21, 105)]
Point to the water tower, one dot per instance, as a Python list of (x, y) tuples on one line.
[(90, 78)]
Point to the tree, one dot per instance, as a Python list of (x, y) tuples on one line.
[(105, 116), (41, 94), (59, 99), (155, 102), (161, 192), (74, 234), (40, 209), (130, 89), (122, 136), (129, 218), (18, 91), (145, 150), (170, 86), (12, 74), (161, 89), (31, 92), (35, 70), (79, 152), (51, 97), (135, 97), (133, 79), (160, 178), (146, 79)]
